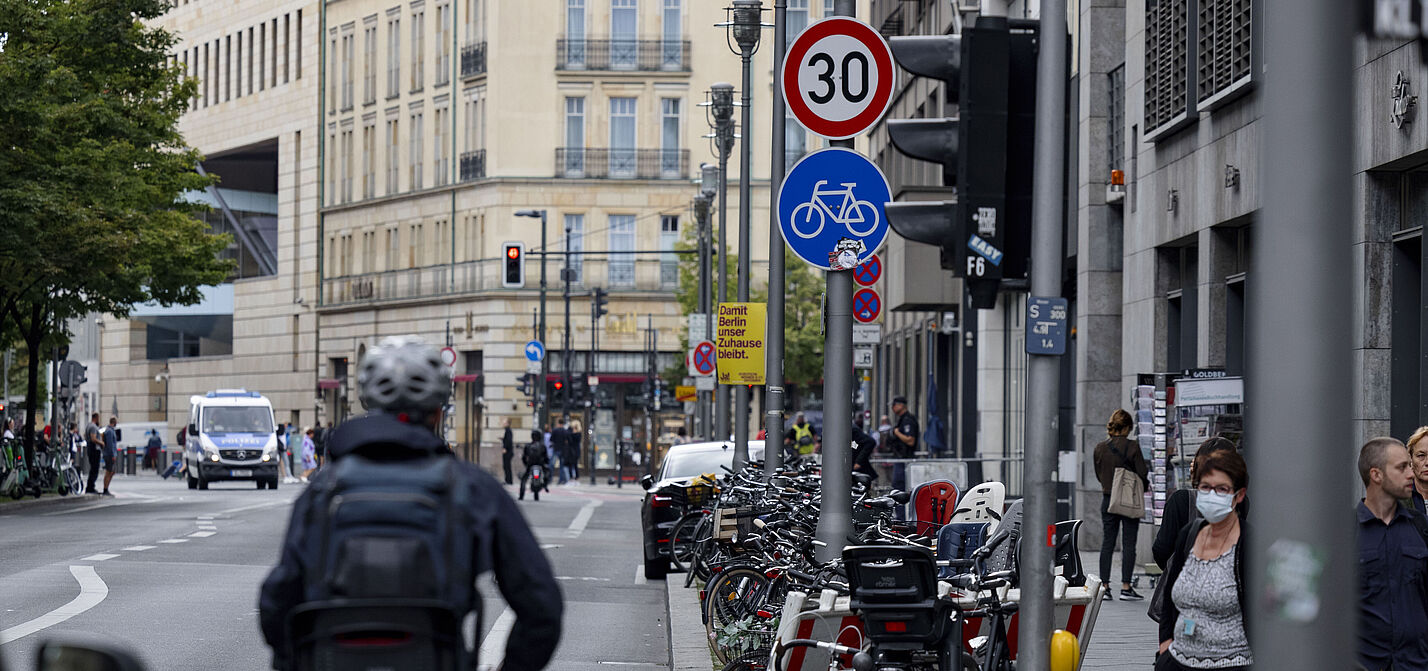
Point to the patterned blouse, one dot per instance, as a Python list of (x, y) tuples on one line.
[(1209, 633)]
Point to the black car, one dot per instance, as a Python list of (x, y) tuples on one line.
[(659, 512)]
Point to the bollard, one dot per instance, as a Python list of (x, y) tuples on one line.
[(131, 455)]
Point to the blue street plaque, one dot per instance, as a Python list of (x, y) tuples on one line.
[(535, 351), (830, 208), (1046, 326)]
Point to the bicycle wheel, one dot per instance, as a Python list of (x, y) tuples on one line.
[(682, 539), (808, 211), (736, 594), (72, 481), (867, 214)]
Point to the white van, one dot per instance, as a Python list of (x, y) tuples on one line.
[(231, 436)]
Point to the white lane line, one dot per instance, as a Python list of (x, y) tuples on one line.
[(207, 526), (139, 548), (174, 540), (584, 578), (270, 504), (582, 518), (205, 517), (202, 534), (99, 557), (493, 646), (640, 574), (550, 546), (94, 506), (92, 590)]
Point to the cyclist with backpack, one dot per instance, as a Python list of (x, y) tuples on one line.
[(383, 549), (533, 455)]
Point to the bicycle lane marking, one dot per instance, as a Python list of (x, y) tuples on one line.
[(493, 646), (92, 591), (582, 518)]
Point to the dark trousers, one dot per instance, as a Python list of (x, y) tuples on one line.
[(1129, 528), (92, 453), (506, 466)]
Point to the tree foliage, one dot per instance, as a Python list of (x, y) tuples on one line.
[(94, 168)]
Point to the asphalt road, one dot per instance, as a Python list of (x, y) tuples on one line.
[(173, 575)]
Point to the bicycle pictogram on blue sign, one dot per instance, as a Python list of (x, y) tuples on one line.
[(831, 201)]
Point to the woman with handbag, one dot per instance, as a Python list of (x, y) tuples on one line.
[(1124, 476), (1202, 623)]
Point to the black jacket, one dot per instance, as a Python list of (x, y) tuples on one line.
[(862, 457), (508, 442), (503, 544), (1184, 546)]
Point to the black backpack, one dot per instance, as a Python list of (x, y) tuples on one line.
[(534, 453), (392, 530)]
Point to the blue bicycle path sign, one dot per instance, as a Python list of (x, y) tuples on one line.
[(535, 351), (830, 208)]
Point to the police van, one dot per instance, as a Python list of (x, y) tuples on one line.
[(231, 436)]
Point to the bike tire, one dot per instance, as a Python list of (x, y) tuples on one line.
[(793, 220), (682, 540), (736, 594), (73, 484), (865, 208)]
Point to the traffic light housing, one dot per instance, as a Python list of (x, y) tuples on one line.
[(600, 302), (986, 151), (527, 384), (513, 265)]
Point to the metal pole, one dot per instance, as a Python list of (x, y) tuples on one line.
[(565, 339), (594, 399), (746, 163), (725, 140), (773, 342), (1043, 371), (1300, 363), (544, 404), (702, 214), (835, 521)]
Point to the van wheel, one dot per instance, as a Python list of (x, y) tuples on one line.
[(655, 569), (202, 482), (260, 483), (192, 481), (273, 483)]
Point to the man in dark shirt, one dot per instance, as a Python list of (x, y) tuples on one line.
[(863, 455), (1393, 561), (904, 440), (508, 449)]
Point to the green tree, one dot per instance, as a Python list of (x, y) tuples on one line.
[(91, 211)]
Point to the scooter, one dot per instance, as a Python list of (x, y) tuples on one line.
[(537, 480)]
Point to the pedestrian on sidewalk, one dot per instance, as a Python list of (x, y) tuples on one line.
[(93, 450), (1202, 622), (309, 453), (559, 444), (9, 429), (1117, 451), (508, 449), (577, 434), (152, 450), (1180, 507), (1418, 451), (110, 452), (1393, 587), (863, 453)]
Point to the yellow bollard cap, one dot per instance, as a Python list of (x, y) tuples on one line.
[(1065, 651)]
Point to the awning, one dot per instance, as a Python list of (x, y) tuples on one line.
[(329, 383), (471, 377)]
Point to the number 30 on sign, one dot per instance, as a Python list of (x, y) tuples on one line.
[(838, 77)]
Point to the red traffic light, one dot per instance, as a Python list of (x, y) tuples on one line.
[(559, 385), (513, 252)]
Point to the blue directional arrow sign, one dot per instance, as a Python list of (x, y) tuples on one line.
[(535, 351), (830, 208)]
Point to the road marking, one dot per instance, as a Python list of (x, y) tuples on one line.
[(493, 646), (93, 506), (174, 540), (202, 534), (99, 557), (92, 590), (584, 578), (205, 517), (640, 574), (139, 548), (551, 546), (255, 506), (582, 518)]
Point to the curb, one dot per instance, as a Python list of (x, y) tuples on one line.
[(47, 501), (688, 649)]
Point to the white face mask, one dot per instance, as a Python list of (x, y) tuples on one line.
[(1214, 506)]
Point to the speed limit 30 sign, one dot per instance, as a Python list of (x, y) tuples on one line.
[(838, 77)]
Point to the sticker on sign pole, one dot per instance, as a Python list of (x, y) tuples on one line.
[(838, 77), (867, 305)]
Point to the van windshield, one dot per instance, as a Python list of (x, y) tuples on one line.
[(250, 419)]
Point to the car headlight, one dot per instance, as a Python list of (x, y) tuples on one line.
[(213, 456)]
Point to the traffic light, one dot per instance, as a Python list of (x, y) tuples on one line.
[(601, 301), (513, 265), (527, 384), (72, 374), (990, 72)]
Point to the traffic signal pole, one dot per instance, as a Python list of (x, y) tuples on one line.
[(565, 272), (1043, 370), (835, 521), (773, 339)]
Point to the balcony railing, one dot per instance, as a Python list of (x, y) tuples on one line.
[(473, 165), (473, 60), (622, 54), (606, 163), (621, 272)]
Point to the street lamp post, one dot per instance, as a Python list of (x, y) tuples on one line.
[(745, 28), (721, 110), (773, 345), (708, 185), (566, 274), (543, 407)]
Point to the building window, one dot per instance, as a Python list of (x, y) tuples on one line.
[(369, 175), (332, 83), (672, 48), (668, 263), (347, 67), (1116, 120), (473, 16), (1167, 65), (1222, 48), (347, 155), (369, 65), (575, 34), (394, 248), (624, 29), (394, 57), (574, 136), (795, 19), (576, 224), (669, 137), (393, 151), (414, 153), (795, 140), (622, 239), (1180, 265), (438, 150), (418, 48), (622, 138), (443, 44)]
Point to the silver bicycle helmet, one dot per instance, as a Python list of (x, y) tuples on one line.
[(403, 374)]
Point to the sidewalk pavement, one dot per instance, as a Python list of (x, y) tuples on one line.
[(1124, 638)]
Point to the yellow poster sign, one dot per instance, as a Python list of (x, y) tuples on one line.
[(683, 393), (739, 345)]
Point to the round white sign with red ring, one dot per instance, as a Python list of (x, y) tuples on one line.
[(838, 77)]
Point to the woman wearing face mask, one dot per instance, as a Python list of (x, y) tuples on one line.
[(1179, 508), (1418, 450), (1202, 624)]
